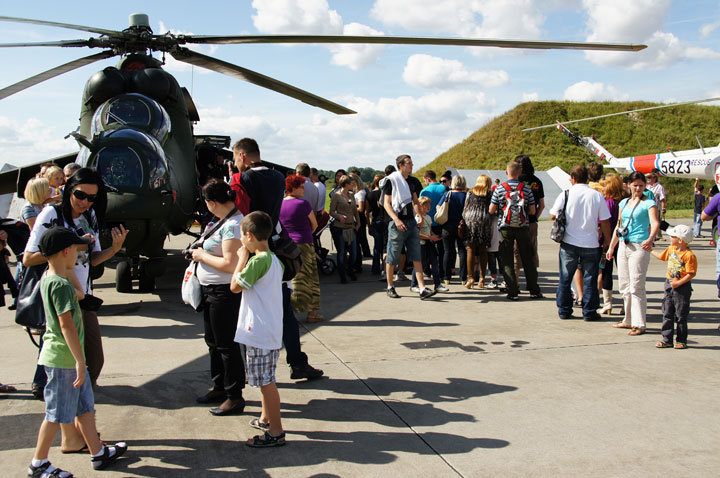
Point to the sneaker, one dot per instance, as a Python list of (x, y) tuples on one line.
[(42, 470), (492, 284), (400, 276), (306, 371), (110, 453), (392, 294), (426, 293), (441, 288), (415, 289)]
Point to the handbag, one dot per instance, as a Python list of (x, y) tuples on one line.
[(462, 229), (30, 310), (443, 210), (191, 290), (289, 255), (90, 302), (557, 232)]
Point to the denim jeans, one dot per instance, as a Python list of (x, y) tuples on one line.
[(378, 229), (429, 258), (341, 246), (454, 246), (291, 332), (697, 224), (589, 259)]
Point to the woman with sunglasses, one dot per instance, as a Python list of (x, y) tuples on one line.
[(82, 210)]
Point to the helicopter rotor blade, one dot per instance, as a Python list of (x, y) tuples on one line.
[(707, 100), (204, 61), (386, 40), (61, 43), (53, 72), (100, 31)]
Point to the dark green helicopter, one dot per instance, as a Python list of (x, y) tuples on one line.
[(136, 126)]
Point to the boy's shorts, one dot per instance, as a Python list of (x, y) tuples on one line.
[(63, 402), (260, 365)]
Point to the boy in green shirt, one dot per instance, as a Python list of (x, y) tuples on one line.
[(67, 394)]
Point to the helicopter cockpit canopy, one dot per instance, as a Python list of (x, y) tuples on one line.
[(127, 159), (132, 110)]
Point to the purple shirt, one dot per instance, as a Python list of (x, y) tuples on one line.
[(713, 207), (294, 219)]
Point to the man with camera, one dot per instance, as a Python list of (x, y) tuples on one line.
[(584, 211)]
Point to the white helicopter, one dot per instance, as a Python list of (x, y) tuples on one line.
[(702, 163)]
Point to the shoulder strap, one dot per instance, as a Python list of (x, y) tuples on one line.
[(215, 227)]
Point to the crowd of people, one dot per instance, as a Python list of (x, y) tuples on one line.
[(480, 235)]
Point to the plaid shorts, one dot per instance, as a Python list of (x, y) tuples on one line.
[(260, 365)]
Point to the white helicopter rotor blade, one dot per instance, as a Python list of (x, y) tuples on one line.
[(707, 100)]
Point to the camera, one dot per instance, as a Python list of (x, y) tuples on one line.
[(621, 232), (188, 252)]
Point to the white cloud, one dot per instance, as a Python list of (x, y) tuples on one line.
[(425, 71), (32, 141), (296, 16), (639, 21), (356, 57), (586, 91), (223, 122), (708, 28), (530, 97)]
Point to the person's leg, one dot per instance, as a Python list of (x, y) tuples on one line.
[(354, 247), (623, 264), (271, 408), (579, 284), (567, 261), (668, 310), (507, 243), (483, 261), (225, 325), (375, 229), (526, 255), (336, 233), (394, 245), (46, 435), (291, 333), (470, 255), (412, 250), (697, 224), (88, 428), (534, 243), (638, 265), (94, 356), (590, 266), (682, 310), (434, 265), (211, 316), (462, 256)]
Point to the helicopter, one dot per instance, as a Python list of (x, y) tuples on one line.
[(701, 163), (136, 126)]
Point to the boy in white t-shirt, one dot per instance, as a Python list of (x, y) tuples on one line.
[(260, 322)]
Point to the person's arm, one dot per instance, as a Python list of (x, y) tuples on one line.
[(606, 232), (657, 255), (79, 289), (33, 259), (225, 263), (118, 238), (334, 209), (356, 215), (683, 280), (313, 221), (647, 244), (31, 222), (70, 334), (416, 207), (387, 204), (243, 256), (540, 207), (697, 180), (615, 239)]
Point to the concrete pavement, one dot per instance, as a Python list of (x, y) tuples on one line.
[(466, 384)]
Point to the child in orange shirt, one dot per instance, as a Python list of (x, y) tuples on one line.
[(682, 267)]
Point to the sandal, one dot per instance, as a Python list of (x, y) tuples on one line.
[(469, 284), (266, 440), (621, 325), (664, 345), (481, 284), (262, 426), (314, 317), (40, 471), (636, 331), (103, 461), (7, 388), (680, 345)]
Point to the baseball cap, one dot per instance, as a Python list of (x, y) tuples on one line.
[(322, 178), (681, 231), (57, 239)]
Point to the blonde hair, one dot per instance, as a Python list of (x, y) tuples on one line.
[(423, 200), (482, 185), (458, 183), (37, 191), (53, 170), (613, 187), (358, 181)]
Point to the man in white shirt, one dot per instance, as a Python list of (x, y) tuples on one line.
[(320, 185), (659, 192), (311, 192), (585, 210)]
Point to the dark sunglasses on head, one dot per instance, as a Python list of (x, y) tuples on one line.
[(83, 195)]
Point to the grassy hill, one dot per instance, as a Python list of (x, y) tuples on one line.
[(500, 140)]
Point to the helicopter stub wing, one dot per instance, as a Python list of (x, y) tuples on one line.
[(14, 180), (204, 61)]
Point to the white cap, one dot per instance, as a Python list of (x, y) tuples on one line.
[(681, 231)]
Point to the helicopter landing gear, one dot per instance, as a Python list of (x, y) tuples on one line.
[(123, 276), (146, 282)]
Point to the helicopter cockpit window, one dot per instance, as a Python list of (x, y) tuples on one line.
[(133, 110), (120, 167)]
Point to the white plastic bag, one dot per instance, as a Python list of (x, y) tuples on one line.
[(190, 289)]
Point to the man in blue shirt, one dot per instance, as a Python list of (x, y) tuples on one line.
[(434, 190)]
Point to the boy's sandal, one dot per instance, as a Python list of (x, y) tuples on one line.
[(266, 440), (262, 426), (664, 345), (7, 388), (103, 461), (621, 325), (39, 471), (680, 345), (636, 331)]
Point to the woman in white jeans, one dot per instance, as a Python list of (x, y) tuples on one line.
[(637, 225)]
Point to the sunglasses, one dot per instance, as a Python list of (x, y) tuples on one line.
[(80, 195)]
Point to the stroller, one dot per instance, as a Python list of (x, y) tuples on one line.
[(325, 264)]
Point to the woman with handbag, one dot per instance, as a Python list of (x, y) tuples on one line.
[(82, 210), (476, 217), (298, 219), (636, 229), (216, 258), (347, 221), (453, 244)]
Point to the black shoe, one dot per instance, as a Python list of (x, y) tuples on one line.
[(101, 462), (12, 306), (352, 275), (306, 371), (235, 407), (537, 296), (392, 294), (426, 293), (565, 317), (213, 396), (592, 317), (343, 280), (512, 297)]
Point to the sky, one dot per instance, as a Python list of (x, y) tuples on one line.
[(417, 100)]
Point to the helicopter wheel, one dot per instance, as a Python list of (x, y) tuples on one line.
[(327, 266), (123, 277), (146, 282), (96, 272)]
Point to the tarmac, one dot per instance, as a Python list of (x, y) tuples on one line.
[(465, 384)]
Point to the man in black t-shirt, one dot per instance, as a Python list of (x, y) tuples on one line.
[(528, 178), (400, 200), (266, 188)]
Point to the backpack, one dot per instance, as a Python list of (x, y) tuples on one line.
[(514, 213), (242, 198)]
